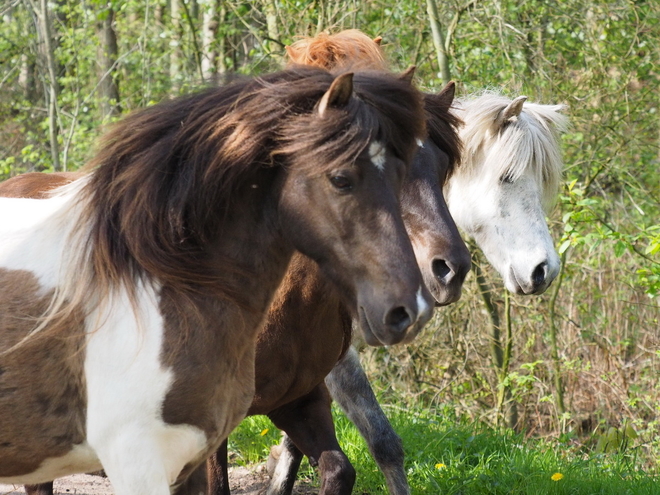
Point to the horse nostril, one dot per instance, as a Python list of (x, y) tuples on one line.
[(539, 274), (398, 319), (441, 270)]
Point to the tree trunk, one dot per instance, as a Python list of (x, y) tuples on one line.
[(27, 78), (175, 54), (438, 41), (51, 85), (107, 56), (209, 44), (500, 354), (272, 44)]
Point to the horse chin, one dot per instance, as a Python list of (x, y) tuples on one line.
[(445, 297), (372, 338), (367, 330)]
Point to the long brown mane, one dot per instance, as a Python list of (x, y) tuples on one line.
[(166, 177), (353, 48)]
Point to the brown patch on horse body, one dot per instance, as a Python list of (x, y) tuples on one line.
[(37, 185), (202, 364), (307, 330), (42, 387)]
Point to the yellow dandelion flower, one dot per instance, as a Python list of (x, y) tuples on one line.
[(557, 477), (440, 465), (264, 431)]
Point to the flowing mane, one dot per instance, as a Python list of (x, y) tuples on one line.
[(165, 177), (349, 48), (530, 140)]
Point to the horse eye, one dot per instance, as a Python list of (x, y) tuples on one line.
[(506, 179), (342, 183)]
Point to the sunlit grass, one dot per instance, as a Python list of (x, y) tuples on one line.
[(446, 455)]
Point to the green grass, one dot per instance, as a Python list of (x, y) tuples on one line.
[(446, 455)]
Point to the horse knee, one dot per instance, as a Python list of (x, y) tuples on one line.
[(387, 447), (337, 473)]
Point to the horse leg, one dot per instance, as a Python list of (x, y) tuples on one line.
[(216, 470), (308, 423), (145, 461), (283, 464), (40, 489), (349, 386), (195, 483)]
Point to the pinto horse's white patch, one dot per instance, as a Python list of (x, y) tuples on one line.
[(127, 384), (377, 154)]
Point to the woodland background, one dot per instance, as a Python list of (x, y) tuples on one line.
[(581, 362)]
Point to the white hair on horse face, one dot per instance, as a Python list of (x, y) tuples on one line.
[(377, 154), (506, 184), (529, 140)]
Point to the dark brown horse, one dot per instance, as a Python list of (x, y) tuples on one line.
[(309, 325), (499, 196), (130, 300)]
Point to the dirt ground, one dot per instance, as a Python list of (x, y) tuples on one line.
[(243, 481)]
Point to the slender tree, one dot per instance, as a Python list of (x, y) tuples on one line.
[(107, 57), (41, 15)]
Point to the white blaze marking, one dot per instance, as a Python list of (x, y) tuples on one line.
[(422, 305), (420, 143), (377, 154)]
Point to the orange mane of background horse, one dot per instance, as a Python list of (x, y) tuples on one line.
[(349, 48)]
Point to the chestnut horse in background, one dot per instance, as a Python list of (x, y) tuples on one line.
[(308, 327), (131, 298)]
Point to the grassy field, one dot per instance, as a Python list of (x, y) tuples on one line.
[(446, 455)]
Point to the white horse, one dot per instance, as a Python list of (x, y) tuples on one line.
[(507, 182), (499, 196)]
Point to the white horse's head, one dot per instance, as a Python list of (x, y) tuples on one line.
[(507, 182)]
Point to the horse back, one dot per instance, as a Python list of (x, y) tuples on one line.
[(37, 185)]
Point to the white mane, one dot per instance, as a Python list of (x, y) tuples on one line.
[(530, 140)]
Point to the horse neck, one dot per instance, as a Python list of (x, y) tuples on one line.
[(253, 243)]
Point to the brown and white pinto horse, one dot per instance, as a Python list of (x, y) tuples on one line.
[(308, 325), (130, 300)]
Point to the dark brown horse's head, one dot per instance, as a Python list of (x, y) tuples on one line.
[(347, 219), (442, 256), (441, 253)]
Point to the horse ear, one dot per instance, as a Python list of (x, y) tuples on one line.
[(511, 111), (338, 94), (378, 40), (408, 74), (446, 96)]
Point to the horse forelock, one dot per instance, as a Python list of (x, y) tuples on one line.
[(350, 48), (166, 177), (384, 109), (529, 140)]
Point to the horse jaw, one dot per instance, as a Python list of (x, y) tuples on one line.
[(507, 221)]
